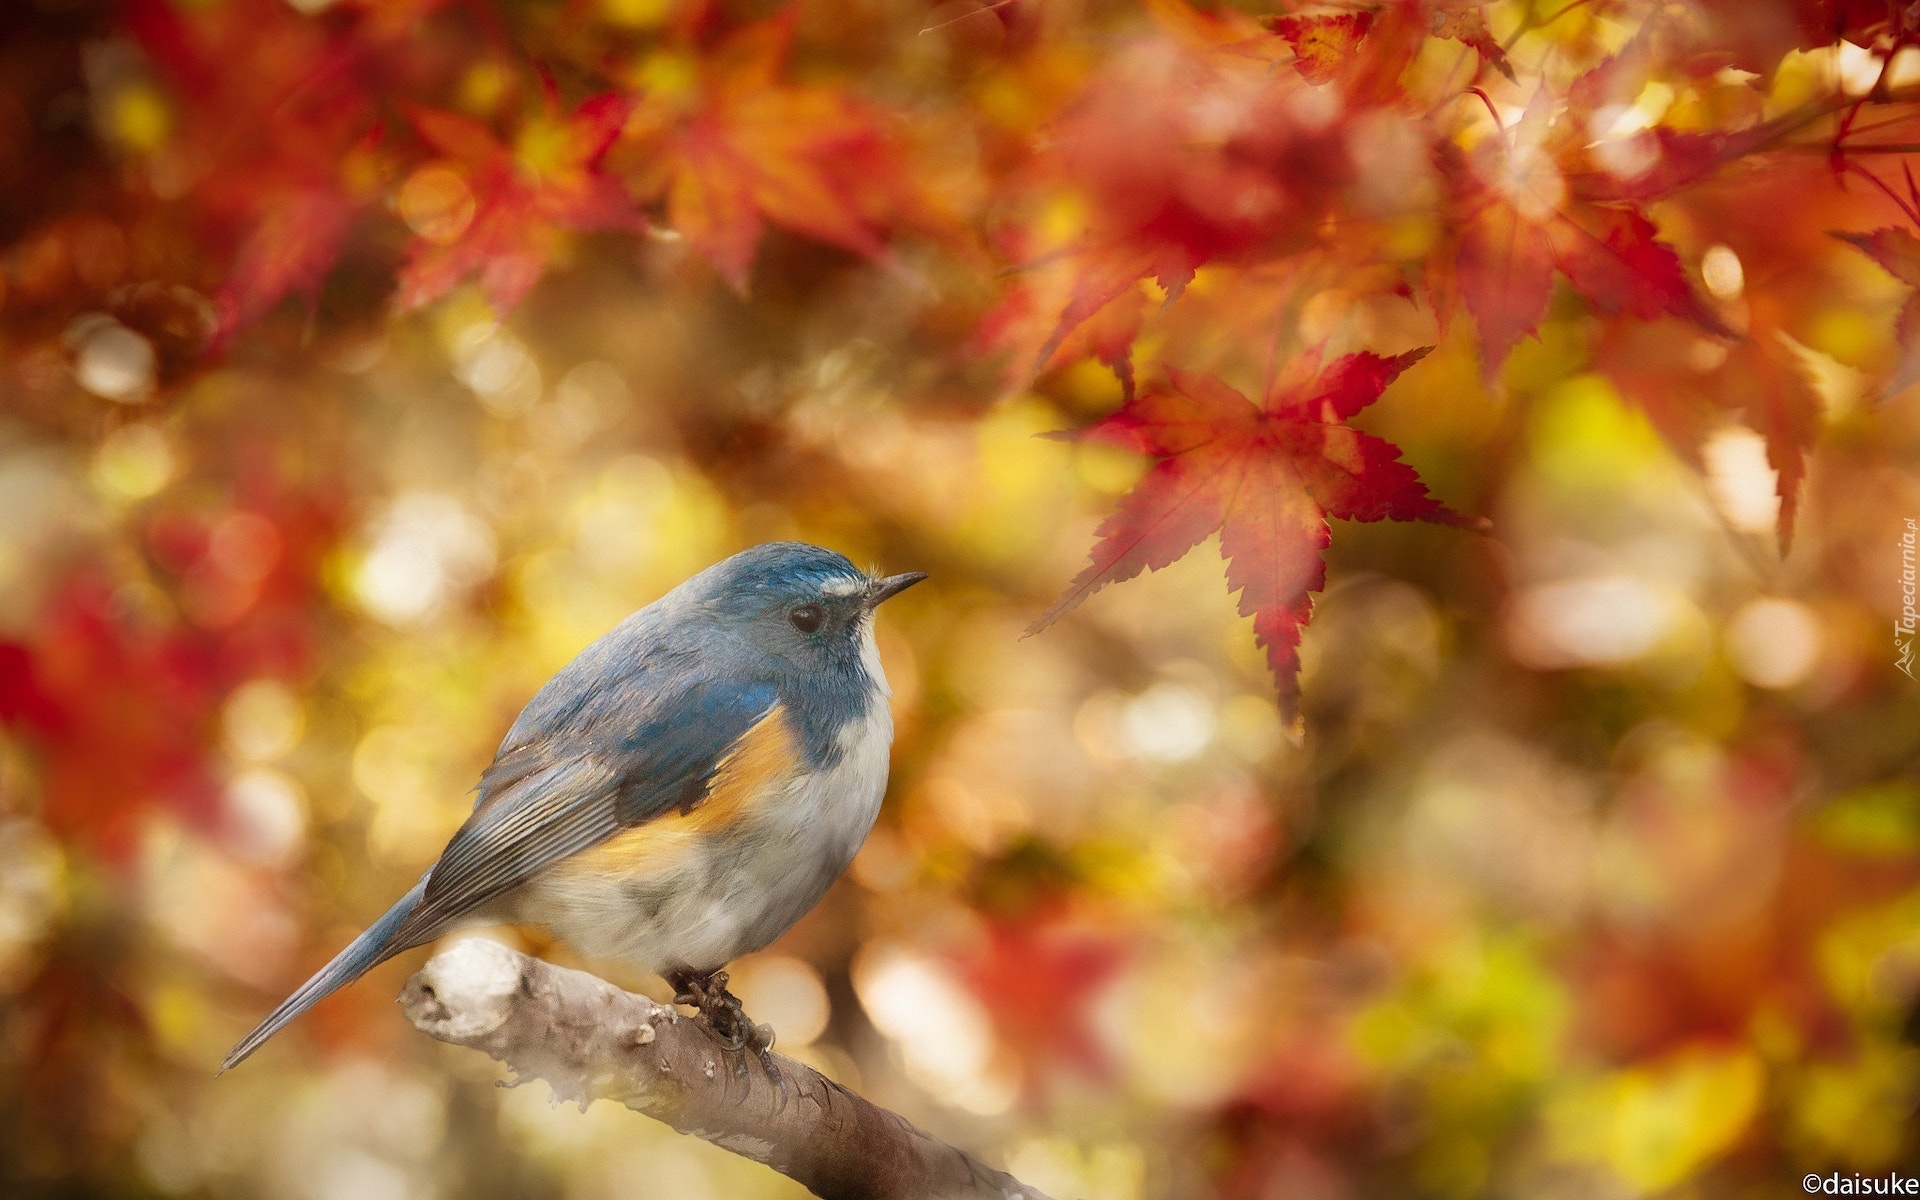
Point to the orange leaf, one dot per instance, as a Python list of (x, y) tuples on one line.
[(1893, 248), (1323, 45), (456, 135), (549, 182), (752, 149), (1899, 252), (1467, 23)]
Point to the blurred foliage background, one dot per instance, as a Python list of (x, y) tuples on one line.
[(329, 429)]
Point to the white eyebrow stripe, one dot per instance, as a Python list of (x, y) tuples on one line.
[(844, 587)]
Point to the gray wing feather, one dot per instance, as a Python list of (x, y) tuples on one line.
[(556, 792)]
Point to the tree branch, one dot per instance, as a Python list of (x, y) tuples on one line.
[(592, 1041)]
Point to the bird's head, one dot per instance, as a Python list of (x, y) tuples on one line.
[(804, 604)]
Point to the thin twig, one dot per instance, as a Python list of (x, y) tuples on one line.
[(1854, 168), (965, 15)]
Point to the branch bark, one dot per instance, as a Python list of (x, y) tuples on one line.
[(591, 1041)]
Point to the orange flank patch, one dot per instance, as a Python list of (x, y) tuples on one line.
[(762, 758)]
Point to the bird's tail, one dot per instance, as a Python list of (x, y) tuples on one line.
[(371, 948)]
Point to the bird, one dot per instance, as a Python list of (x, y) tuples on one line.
[(679, 794)]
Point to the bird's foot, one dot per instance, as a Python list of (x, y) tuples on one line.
[(723, 1014)]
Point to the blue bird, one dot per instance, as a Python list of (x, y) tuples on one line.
[(678, 795)]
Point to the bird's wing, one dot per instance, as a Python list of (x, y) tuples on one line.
[(553, 796)]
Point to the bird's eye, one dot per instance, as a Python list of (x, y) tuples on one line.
[(807, 617)]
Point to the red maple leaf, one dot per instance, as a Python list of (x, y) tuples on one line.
[(279, 112), (117, 717), (1038, 977), (1676, 159), (120, 709), (740, 148), (1521, 224), (1188, 150), (1266, 476), (524, 196), (291, 249)]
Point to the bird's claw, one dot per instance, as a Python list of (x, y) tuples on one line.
[(761, 1043), (725, 1017)]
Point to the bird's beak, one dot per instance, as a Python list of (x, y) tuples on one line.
[(886, 589)]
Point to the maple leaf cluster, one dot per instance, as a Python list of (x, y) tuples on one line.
[(1481, 189), (1486, 187), (1208, 171)]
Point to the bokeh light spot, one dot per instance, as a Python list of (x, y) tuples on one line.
[(1741, 480), (1602, 621), (943, 1034), (244, 545), (112, 361), (266, 817), (1167, 723), (426, 549), (500, 370), (33, 893), (134, 462), (636, 14), (1773, 643), (262, 721), (1721, 271), (436, 203), (785, 993), (1055, 1165)]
